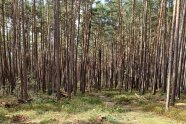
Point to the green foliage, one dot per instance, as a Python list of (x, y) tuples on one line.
[(49, 121), (123, 98), (112, 119), (110, 93), (90, 109), (39, 105), (118, 109), (159, 110), (107, 119), (44, 101), (175, 113), (3, 112), (80, 104), (178, 114), (155, 98)]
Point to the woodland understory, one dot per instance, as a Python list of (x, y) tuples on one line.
[(71, 50)]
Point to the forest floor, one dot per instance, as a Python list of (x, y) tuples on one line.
[(106, 107)]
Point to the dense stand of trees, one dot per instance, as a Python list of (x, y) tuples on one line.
[(54, 45)]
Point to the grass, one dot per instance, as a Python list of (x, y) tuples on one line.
[(46, 110), (152, 105), (91, 109), (80, 104), (174, 113), (3, 112)]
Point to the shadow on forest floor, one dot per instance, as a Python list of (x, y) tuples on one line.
[(106, 107)]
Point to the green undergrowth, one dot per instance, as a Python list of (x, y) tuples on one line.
[(45, 110), (3, 113), (124, 99), (174, 113), (80, 104), (89, 109), (147, 103)]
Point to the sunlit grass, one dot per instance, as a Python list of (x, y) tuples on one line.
[(90, 108), (3, 113)]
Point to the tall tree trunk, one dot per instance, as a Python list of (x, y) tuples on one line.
[(170, 58), (24, 88), (56, 45)]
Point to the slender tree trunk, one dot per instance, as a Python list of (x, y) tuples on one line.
[(56, 45)]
